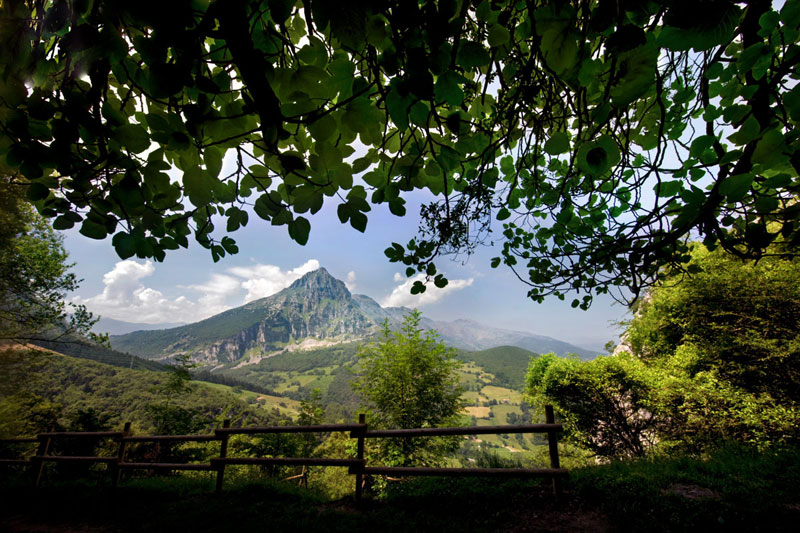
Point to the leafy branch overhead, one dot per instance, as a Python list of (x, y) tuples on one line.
[(596, 137)]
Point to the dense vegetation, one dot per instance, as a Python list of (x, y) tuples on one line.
[(506, 363), (35, 276), (557, 119), (85, 349), (408, 379), (708, 357)]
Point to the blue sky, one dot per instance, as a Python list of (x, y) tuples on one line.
[(189, 286)]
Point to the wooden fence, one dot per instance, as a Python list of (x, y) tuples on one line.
[(356, 466)]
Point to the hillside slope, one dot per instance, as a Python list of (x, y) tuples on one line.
[(41, 389)]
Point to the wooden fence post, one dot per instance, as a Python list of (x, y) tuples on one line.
[(552, 442), (223, 453), (120, 455), (44, 449), (362, 419)]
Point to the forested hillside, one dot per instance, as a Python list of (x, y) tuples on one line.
[(506, 363), (42, 390), (84, 349)]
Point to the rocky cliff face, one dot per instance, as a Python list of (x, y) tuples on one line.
[(316, 306)]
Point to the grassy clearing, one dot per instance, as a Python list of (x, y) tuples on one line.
[(473, 397), (478, 412), (286, 406), (734, 489), (501, 393), (501, 412)]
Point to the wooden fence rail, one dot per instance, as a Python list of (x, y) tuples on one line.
[(356, 466)]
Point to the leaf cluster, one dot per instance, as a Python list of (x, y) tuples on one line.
[(599, 135), (35, 276)]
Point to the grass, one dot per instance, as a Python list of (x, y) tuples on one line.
[(473, 396), (286, 406), (501, 393), (501, 412), (478, 412), (733, 489)]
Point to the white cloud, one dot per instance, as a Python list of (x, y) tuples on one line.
[(261, 281), (125, 296), (401, 295), (350, 282), (216, 291)]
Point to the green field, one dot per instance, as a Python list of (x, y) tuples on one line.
[(502, 393), (286, 406)]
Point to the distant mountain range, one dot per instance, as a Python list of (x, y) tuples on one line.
[(316, 310)]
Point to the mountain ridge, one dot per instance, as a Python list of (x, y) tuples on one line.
[(316, 306)]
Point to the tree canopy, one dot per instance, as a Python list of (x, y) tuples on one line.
[(706, 358), (409, 379), (601, 134), (35, 276)]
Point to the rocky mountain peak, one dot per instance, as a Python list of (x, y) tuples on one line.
[(316, 306), (322, 285)]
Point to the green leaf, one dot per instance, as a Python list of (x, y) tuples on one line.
[(790, 14), (598, 157), (299, 229), (558, 143), (397, 207), (751, 56), (323, 128), (124, 244), (749, 131), (359, 221), (667, 189), (419, 113), (93, 230), (343, 212), (133, 137), (229, 245), (703, 36), (498, 35), (376, 30), (770, 150), (560, 49), (37, 191), (736, 187), (198, 186), (280, 9), (472, 55), (700, 144), (590, 69), (639, 74), (398, 105), (62, 223), (267, 206), (213, 160), (792, 101)]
